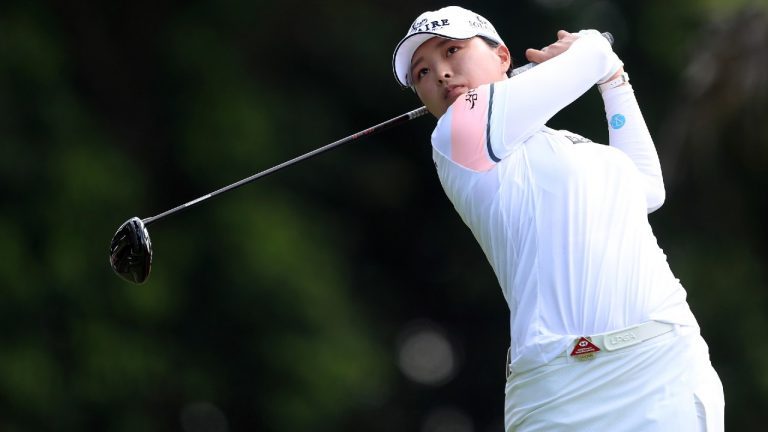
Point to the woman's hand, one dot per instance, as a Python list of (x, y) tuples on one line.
[(564, 41)]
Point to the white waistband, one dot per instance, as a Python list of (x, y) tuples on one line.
[(626, 337), (615, 340)]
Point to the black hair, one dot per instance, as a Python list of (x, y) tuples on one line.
[(493, 44)]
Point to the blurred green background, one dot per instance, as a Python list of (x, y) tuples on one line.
[(343, 293)]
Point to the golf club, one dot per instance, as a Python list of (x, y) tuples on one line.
[(130, 251)]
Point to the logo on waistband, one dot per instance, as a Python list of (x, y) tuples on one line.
[(615, 341), (584, 349)]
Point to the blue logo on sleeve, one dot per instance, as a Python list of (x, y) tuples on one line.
[(617, 121)]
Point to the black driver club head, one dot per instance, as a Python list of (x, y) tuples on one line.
[(130, 252)]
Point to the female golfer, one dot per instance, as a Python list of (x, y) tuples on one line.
[(602, 338)]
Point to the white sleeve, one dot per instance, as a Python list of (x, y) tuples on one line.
[(628, 132), (527, 101)]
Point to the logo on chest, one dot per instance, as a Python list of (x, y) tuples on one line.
[(576, 139)]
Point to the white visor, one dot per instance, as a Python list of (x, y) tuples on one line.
[(450, 22)]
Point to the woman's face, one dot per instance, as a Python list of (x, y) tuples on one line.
[(444, 69)]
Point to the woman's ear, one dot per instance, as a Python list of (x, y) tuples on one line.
[(506, 58)]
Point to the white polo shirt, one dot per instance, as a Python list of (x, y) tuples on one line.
[(563, 221)]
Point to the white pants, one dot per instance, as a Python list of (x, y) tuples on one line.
[(663, 384)]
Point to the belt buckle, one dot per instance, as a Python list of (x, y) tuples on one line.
[(584, 349)]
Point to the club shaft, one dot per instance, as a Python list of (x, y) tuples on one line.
[(372, 130)]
